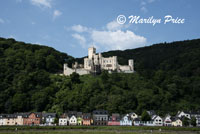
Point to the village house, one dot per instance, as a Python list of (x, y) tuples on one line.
[(87, 120), (79, 118), (157, 120), (2, 119), (10, 120), (72, 120), (100, 117), (63, 120), (126, 120), (197, 116), (177, 122), (167, 120), (48, 118), (72, 117), (133, 115), (181, 114), (114, 120), (138, 122), (19, 119), (32, 119)]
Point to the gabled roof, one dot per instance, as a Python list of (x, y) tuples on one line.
[(64, 115), (102, 112), (175, 118), (86, 115), (116, 115), (71, 113), (52, 115), (125, 115), (151, 112), (79, 114)]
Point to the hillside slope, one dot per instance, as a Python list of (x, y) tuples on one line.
[(167, 79)]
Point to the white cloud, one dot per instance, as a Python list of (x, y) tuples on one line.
[(42, 3), (2, 21), (120, 40), (111, 37), (144, 9), (79, 28), (144, 4), (113, 25), (81, 39), (56, 13)]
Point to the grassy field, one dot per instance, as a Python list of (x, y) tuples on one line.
[(96, 130), (92, 132)]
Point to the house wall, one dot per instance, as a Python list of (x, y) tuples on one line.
[(73, 120), (177, 123), (143, 123), (19, 120), (125, 121), (63, 121), (86, 122), (113, 123), (10, 121), (2, 121), (32, 120), (79, 121), (158, 121)]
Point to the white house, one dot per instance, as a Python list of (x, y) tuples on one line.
[(197, 116), (73, 120), (2, 120), (167, 121), (64, 120), (177, 122), (183, 114), (138, 122), (49, 118), (133, 115), (126, 121), (157, 120)]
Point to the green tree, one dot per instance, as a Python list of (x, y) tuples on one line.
[(75, 78), (185, 121), (193, 121), (145, 116)]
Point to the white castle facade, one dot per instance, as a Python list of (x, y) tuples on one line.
[(95, 63)]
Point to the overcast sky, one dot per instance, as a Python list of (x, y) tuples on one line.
[(71, 26)]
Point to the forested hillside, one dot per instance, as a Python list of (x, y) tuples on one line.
[(167, 79)]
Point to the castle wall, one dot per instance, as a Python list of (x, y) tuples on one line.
[(96, 60)]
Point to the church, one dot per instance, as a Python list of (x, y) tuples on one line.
[(95, 63)]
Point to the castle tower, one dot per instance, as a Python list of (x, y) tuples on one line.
[(91, 52), (65, 66), (131, 64)]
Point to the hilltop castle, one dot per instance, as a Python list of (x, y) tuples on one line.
[(95, 63)]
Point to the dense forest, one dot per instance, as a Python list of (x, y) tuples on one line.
[(167, 79)]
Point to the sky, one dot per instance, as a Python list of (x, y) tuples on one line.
[(71, 26)]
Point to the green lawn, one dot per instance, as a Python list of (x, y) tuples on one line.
[(96, 130)]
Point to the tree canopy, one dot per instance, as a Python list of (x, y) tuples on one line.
[(167, 79)]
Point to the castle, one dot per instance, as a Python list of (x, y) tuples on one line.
[(95, 63)]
